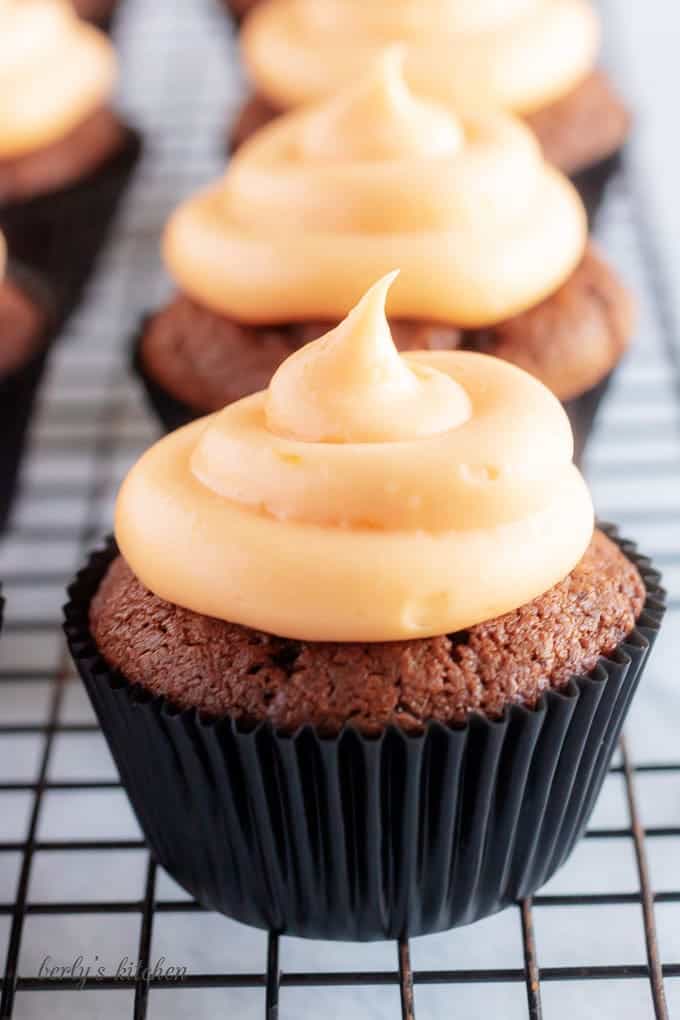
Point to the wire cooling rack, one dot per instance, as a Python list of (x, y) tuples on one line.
[(88, 926)]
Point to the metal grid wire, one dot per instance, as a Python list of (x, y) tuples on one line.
[(180, 82)]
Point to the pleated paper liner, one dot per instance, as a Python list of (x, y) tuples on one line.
[(363, 838), (60, 234), (592, 184), (174, 413), (18, 391)]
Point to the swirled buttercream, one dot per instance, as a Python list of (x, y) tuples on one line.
[(323, 202), (55, 71), (519, 55), (366, 496)]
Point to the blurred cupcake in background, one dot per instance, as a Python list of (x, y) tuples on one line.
[(534, 58), (360, 656), (239, 8), (25, 320), (65, 154), (98, 11), (492, 242)]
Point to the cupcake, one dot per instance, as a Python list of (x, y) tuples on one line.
[(536, 59), (359, 653), (492, 242), (65, 156), (24, 318)]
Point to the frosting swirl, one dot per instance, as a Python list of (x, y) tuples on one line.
[(366, 496), (55, 70), (324, 201), (519, 55)]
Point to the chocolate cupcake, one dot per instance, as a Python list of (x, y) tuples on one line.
[(65, 156), (359, 655), (24, 321), (539, 64), (492, 242)]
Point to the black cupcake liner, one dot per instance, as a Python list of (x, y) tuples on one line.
[(17, 397), (59, 234), (174, 413), (171, 412), (582, 412), (363, 838), (18, 391), (592, 182)]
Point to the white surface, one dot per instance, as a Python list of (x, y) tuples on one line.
[(179, 83)]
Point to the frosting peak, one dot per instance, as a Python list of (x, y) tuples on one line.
[(55, 71), (321, 203), (351, 386), (381, 119), (252, 515)]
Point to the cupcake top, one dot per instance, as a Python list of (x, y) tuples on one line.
[(365, 496), (55, 71), (324, 201), (519, 55)]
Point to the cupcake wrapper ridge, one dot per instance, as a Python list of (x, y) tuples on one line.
[(362, 838), (59, 234)]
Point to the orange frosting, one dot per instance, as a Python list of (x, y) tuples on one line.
[(55, 70), (366, 496), (323, 202), (520, 55)]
